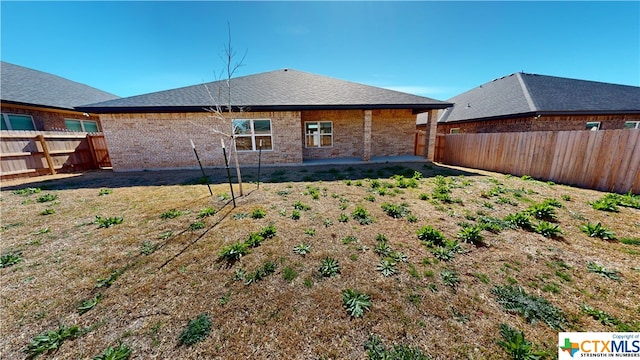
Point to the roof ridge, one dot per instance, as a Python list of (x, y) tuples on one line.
[(526, 92)]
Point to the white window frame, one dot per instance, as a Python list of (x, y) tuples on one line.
[(454, 131), (254, 144), (82, 122), (317, 135), (5, 119), (590, 125), (635, 123)]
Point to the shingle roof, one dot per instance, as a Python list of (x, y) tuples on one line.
[(520, 94), (284, 89), (32, 87)]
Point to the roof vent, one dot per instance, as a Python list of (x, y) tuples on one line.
[(285, 69)]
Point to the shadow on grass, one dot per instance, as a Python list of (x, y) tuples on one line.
[(269, 174)]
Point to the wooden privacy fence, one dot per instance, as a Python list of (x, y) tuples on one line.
[(34, 153), (606, 160)]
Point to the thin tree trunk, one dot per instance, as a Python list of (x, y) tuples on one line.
[(235, 158)]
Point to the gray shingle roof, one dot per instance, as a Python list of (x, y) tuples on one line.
[(520, 94), (284, 89), (32, 87)]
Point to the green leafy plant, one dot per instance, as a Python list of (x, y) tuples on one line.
[(493, 224), (370, 198), (198, 225), (206, 212), (597, 230), (610, 320), (609, 202), (519, 220), (268, 232), (147, 247), (310, 232), (254, 240), (515, 344), (547, 229), (258, 213), (329, 267), (51, 340), (377, 351), (396, 211), (27, 191), (121, 352), (48, 211), (240, 216), (109, 280), (387, 267), (300, 206), (104, 192), (302, 249), (196, 330), (108, 221), (233, 252), (171, 214), (289, 273), (295, 214), (89, 304), (471, 234), (542, 211), (350, 239), (630, 241), (362, 216), (600, 270), (267, 268), (46, 198), (343, 218), (450, 278), (355, 302), (431, 236), (532, 308), (10, 258)]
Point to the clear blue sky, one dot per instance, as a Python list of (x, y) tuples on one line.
[(435, 49)]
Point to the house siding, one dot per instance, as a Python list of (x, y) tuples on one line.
[(161, 141), (544, 123), (45, 119)]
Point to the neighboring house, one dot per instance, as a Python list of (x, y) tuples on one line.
[(297, 117), (35, 100), (530, 102)]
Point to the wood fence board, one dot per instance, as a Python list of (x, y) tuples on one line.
[(619, 159), (633, 167)]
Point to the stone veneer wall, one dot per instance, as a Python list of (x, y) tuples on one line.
[(161, 141), (392, 132), (47, 119), (544, 123)]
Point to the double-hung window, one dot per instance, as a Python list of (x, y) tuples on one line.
[(81, 125), (593, 125), (17, 122), (250, 133), (632, 124), (318, 133)]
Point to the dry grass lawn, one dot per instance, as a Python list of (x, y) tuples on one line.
[(171, 271)]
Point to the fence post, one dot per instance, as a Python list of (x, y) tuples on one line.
[(47, 155), (92, 151)]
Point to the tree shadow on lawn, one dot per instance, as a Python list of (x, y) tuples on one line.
[(97, 179)]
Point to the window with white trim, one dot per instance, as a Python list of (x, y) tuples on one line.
[(454, 131), (632, 124), (17, 122), (251, 133), (318, 134), (81, 125), (593, 125)]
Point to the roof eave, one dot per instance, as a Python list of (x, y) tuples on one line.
[(544, 113), (38, 105), (416, 108)]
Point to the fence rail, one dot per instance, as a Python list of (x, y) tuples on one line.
[(34, 153), (607, 160)]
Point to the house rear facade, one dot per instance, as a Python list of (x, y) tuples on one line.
[(531, 102), (287, 116)]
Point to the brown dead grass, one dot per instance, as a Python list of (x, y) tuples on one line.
[(152, 301)]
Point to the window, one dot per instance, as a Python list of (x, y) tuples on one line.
[(632, 124), (454, 131), (17, 122), (318, 134), (81, 125), (250, 133), (595, 125)]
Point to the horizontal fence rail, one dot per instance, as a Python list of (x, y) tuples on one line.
[(606, 160), (34, 153)]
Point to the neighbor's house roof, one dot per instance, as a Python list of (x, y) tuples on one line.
[(523, 94), (280, 90), (24, 86)]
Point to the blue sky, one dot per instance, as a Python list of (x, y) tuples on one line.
[(434, 49)]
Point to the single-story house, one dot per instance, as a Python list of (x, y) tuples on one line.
[(296, 116), (35, 100), (531, 102)]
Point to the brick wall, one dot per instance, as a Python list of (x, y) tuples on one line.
[(46, 119), (347, 134), (393, 132), (161, 141), (544, 123)]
